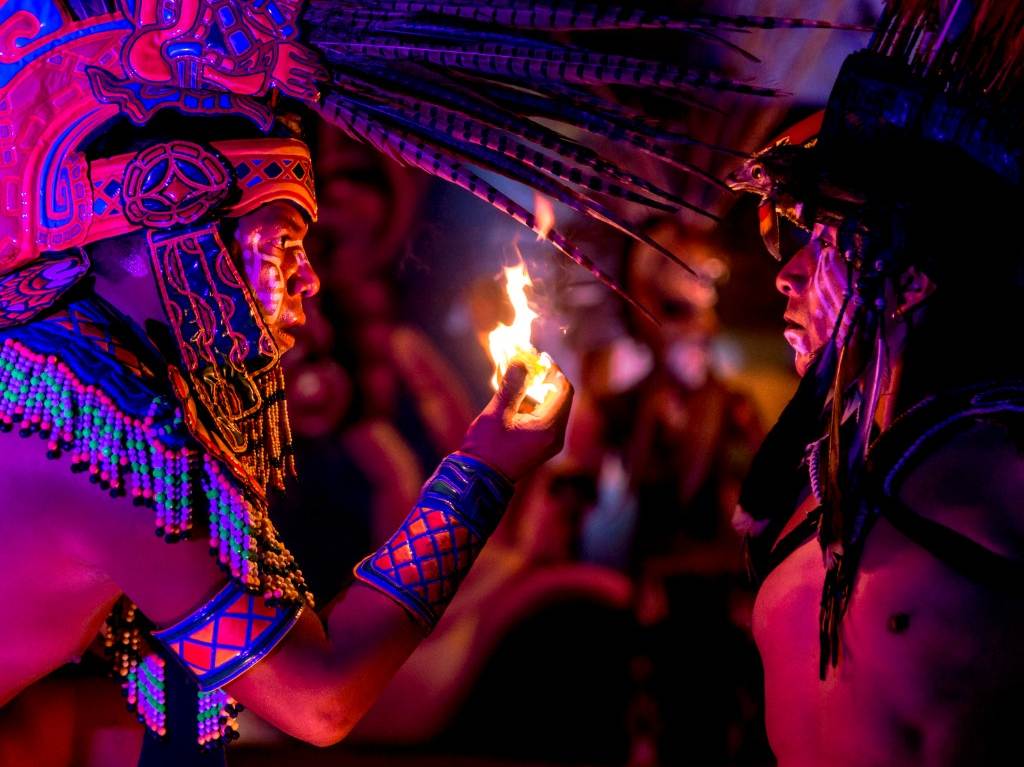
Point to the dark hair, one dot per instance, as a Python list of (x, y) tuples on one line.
[(956, 227)]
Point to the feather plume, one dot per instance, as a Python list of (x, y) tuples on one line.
[(562, 16), (448, 84), (417, 153)]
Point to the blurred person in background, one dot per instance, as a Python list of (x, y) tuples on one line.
[(667, 442)]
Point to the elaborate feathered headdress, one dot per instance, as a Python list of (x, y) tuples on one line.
[(444, 86), (448, 86)]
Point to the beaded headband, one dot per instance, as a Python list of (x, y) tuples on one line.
[(181, 182)]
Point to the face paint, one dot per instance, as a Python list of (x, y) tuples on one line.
[(262, 264), (276, 266), (815, 281), (831, 279)]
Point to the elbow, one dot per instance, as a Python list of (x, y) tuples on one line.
[(324, 737), (326, 725)]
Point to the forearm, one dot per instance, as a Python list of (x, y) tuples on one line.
[(330, 668)]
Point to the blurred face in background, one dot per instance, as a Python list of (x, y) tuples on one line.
[(684, 305), (368, 205)]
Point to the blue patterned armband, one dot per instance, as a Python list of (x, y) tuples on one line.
[(423, 563), (228, 635)]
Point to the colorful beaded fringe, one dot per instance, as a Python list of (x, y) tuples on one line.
[(39, 394), (125, 455), (149, 458), (145, 689)]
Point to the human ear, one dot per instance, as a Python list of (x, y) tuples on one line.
[(913, 287)]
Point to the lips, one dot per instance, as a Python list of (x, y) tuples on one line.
[(795, 335)]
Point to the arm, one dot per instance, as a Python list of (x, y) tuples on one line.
[(972, 483), (329, 668)]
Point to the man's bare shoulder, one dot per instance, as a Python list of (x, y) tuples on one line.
[(973, 481), (44, 485), (79, 515), (110, 534)]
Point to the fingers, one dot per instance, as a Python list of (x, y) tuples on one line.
[(512, 390), (564, 410), (554, 410)]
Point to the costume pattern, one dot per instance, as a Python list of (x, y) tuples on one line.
[(27, 292), (423, 563), (223, 638), (173, 184)]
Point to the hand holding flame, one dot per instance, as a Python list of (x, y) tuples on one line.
[(524, 423), (512, 440)]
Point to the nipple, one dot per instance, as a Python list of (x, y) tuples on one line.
[(898, 623)]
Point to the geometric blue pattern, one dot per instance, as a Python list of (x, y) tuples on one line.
[(227, 635)]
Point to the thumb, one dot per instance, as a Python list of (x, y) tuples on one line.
[(512, 390)]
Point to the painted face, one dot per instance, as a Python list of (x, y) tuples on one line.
[(815, 282), (274, 261)]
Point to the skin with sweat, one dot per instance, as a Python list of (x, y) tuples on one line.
[(930, 665), (71, 550)]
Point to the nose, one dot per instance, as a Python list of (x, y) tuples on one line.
[(794, 275), (306, 283)]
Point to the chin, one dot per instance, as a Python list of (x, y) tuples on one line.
[(284, 341), (802, 362)]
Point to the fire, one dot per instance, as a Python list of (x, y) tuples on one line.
[(513, 342), (544, 213)]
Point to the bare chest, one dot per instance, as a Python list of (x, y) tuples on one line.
[(54, 605), (922, 650)]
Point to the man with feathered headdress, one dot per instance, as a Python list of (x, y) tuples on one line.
[(155, 194), (883, 510)]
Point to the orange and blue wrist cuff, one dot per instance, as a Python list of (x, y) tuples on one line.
[(422, 565)]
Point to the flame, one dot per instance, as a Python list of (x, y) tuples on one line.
[(513, 342), (545, 215)]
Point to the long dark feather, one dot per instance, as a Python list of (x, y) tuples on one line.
[(510, 108), (540, 63), (608, 178), (570, 16), (504, 85), (517, 171), (456, 98), (613, 130), (363, 127), (583, 110)]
